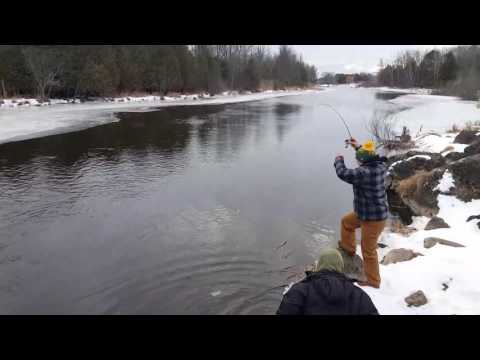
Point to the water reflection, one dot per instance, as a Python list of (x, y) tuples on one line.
[(156, 212), (284, 113)]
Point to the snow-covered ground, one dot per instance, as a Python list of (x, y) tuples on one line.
[(419, 91), (457, 268), (448, 276), (439, 143), (19, 122), (433, 112)]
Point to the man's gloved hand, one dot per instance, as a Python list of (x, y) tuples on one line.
[(339, 157), (352, 142)]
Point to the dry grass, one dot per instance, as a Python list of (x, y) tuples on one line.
[(454, 129), (409, 186), (396, 226), (417, 192), (472, 125), (448, 148)]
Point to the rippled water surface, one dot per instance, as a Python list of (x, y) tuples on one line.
[(182, 210)]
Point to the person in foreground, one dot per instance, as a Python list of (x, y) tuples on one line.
[(370, 207), (326, 291)]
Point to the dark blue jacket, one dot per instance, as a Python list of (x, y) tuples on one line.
[(326, 293), (369, 195)]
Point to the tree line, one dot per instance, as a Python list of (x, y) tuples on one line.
[(454, 71), (76, 71), (339, 78)]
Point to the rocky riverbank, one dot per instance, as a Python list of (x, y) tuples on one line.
[(427, 257), (428, 253)]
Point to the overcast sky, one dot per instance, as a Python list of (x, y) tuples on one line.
[(353, 58)]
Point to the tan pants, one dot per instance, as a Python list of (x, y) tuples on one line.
[(371, 230)]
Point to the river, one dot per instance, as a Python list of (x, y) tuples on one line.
[(183, 210)]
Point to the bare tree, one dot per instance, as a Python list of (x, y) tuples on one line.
[(380, 127), (45, 65)]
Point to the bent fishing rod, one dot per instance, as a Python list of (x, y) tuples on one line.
[(347, 142)]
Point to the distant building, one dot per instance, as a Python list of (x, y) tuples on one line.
[(349, 78)]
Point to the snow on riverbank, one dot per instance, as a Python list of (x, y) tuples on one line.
[(448, 276), (20, 122), (433, 112), (418, 91), (439, 143)]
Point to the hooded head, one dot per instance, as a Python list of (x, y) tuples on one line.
[(366, 152), (330, 259)]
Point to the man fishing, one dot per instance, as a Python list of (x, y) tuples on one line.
[(369, 205)]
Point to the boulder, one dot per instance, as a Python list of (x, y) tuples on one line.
[(418, 298), (473, 217), (397, 207), (466, 174), (454, 156), (405, 165), (353, 266), (473, 148), (466, 137), (417, 192), (399, 255), (436, 223), (432, 241)]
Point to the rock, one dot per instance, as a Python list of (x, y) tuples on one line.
[(398, 207), (404, 169), (454, 156), (417, 192), (418, 298), (399, 255), (436, 223), (353, 266), (473, 149), (432, 241), (466, 137), (466, 174), (411, 182), (473, 217)]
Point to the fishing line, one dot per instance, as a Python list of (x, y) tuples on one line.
[(341, 118)]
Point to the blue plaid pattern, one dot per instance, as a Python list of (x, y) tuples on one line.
[(368, 180)]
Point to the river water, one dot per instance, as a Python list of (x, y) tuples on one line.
[(183, 210)]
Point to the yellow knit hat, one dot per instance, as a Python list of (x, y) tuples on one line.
[(369, 146)]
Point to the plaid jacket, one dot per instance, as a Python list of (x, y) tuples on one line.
[(368, 180)]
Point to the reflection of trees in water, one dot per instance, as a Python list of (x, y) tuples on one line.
[(226, 132), (284, 109), (283, 112), (389, 95), (138, 136)]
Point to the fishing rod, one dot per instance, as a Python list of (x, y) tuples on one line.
[(343, 120)]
